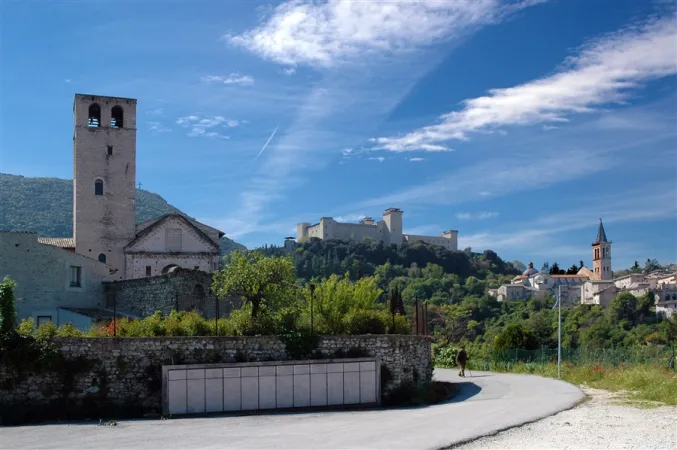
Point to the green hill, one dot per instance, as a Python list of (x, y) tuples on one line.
[(45, 206)]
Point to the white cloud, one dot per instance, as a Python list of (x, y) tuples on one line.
[(416, 159), (157, 127), (325, 34), (477, 216), (157, 111), (233, 78), (603, 72), (289, 71), (377, 158), (67, 80), (200, 126)]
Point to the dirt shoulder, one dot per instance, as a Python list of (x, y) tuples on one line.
[(606, 420)]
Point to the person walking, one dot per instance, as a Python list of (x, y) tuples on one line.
[(461, 360)]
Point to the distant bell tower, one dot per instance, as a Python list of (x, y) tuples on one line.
[(104, 194), (601, 255)]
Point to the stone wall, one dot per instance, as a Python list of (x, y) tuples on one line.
[(181, 289), (116, 377)]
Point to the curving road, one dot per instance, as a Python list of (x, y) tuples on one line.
[(487, 403)]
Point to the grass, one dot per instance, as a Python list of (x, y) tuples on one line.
[(644, 383)]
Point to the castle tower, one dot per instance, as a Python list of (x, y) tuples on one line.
[(601, 255), (104, 194), (393, 220)]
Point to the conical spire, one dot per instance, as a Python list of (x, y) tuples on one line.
[(601, 235)]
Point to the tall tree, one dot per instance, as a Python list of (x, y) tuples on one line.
[(260, 280), (7, 306)]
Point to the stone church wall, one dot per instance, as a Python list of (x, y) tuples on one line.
[(181, 289), (118, 377)]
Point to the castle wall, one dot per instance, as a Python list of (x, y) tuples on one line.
[(447, 243)]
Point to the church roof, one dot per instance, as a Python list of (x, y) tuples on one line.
[(161, 219), (601, 234), (58, 242)]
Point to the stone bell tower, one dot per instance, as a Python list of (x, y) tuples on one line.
[(104, 178), (601, 255)]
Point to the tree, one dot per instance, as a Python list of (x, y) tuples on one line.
[(396, 304), (7, 306), (624, 307), (555, 270), (580, 264), (516, 336), (651, 265), (336, 297), (257, 279), (573, 270)]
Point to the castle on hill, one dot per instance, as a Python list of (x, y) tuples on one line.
[(388, 230)]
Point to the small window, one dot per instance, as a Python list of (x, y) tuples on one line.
[(76, 276), (110, 150), (116, 117), (94, 115), (44, 319), (148, 271), (102, 258), (98, 187)]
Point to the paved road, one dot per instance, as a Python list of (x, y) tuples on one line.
[(487, 403)]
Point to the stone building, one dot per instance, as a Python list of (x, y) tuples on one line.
[(178, 289), (104, 192), (388, 230), (51, 281)]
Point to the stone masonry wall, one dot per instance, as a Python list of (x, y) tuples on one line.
[(181, 289), (116, 377)]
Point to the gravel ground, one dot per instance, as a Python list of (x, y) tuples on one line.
[(603, 421)]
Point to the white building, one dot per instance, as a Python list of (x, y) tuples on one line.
[(388, 230)]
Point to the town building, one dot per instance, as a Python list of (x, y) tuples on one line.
[(388, 230), (585, 286)]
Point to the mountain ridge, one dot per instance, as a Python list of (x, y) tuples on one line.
[(45, 205)]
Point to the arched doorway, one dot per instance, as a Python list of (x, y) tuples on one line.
[(169, 268)]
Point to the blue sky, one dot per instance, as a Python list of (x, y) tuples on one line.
[(519, 123)]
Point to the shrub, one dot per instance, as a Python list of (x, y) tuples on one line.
[(26, 327), (45, 331), (365, 321), (68, 330)]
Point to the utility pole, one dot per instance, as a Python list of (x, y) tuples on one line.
[(559, 331)]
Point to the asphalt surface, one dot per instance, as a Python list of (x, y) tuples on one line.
[(486, 403)]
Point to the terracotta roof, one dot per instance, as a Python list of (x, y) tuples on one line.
[(570, 276), (58, 242)]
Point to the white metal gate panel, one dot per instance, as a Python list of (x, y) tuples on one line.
[(196, 389)]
